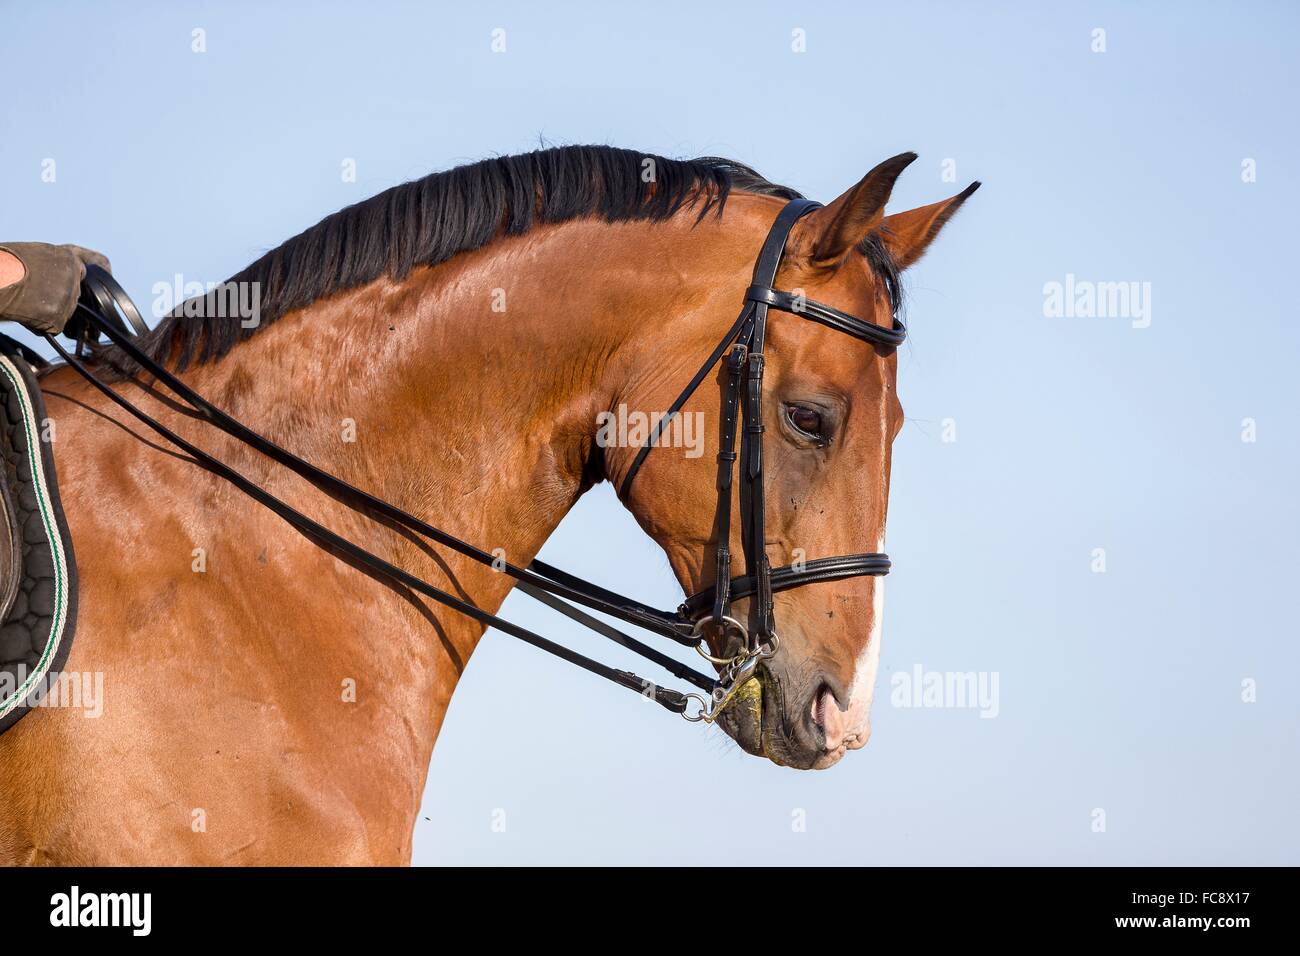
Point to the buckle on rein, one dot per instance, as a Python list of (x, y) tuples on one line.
[(737, 671)]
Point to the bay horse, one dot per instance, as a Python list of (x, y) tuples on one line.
[(448, 345)]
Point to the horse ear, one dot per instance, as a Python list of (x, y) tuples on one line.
[(908, 234), (831, 232)]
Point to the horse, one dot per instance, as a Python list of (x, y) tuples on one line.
[(449, 345)]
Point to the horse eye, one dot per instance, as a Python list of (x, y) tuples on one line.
[(806, 420)]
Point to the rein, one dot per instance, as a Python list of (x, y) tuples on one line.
[(106, 309)]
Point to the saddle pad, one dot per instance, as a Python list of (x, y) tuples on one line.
[(37, 569)]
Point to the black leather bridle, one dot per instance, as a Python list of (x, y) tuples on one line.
[(742, 395), (745, 646)]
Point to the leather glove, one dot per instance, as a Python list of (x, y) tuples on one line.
[(46, 296)]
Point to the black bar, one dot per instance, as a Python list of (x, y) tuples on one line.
[(902, 906)]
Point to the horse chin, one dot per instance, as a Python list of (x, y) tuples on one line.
[(753, 721), (743, 718)]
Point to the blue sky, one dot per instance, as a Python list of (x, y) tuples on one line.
[(1120, 691)]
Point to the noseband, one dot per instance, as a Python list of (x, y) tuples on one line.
[(105, 309)]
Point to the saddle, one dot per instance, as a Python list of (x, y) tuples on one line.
[(38, 594)]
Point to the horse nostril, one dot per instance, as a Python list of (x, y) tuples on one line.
[(827, 717), (822, 701)]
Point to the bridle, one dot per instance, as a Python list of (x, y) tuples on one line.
[(710, 611), (742, 395)]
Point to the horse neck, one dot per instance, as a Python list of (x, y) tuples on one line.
[(472, 388), (467, 394)]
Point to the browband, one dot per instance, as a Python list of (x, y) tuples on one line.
[(829, 316)]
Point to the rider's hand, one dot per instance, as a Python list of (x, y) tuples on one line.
[(44, 283)]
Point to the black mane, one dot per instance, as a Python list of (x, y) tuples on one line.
[(429, 220)]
